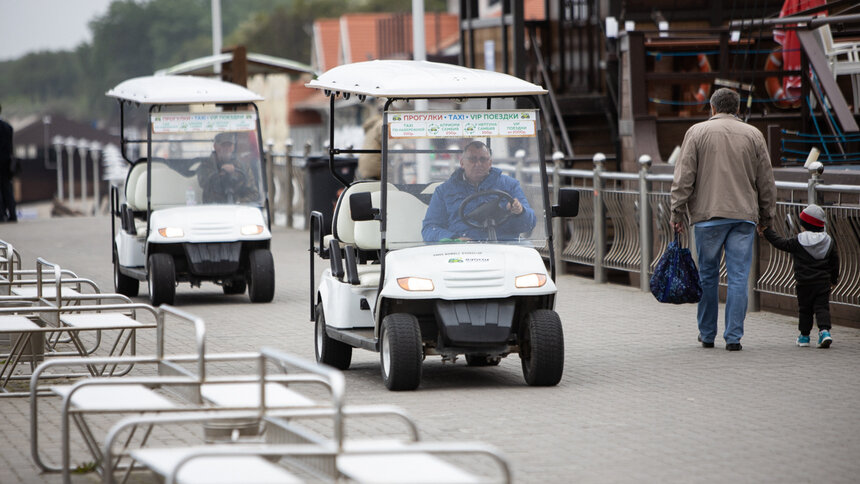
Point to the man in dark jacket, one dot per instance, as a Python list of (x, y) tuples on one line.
[(816, 270), (223, 177), (490, 213), (7, 196)]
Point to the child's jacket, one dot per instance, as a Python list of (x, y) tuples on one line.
[(815, 257)]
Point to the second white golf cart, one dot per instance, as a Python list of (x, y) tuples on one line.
[(194, 207), (400, 285)]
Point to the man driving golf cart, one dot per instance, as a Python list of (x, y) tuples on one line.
[(478, 202), (224, 177)]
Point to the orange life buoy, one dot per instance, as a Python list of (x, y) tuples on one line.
[(773, 84), (705, 87)]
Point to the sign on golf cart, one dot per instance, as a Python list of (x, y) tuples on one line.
[(460, 124), (193, 208), (442, 256)]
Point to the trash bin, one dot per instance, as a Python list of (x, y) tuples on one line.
[(322, 188)]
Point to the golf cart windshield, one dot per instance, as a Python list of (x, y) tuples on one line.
[(464, 176), (205, 158)]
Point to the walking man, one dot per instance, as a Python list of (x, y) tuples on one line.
[(724, 181), (7, 196)]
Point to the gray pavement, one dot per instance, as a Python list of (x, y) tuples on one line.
[(640, 400)]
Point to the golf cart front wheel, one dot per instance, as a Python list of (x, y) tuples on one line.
[(162, 279), (329, 351), (401, 354), (127, 286), (261, 276), (542, 348)]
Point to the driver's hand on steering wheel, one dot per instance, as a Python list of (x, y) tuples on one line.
[(228, 167), (516, 207)]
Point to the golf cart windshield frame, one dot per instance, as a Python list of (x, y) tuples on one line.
[(544, 180), (154, 108)]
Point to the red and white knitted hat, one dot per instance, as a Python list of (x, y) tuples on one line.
[(813, 215)]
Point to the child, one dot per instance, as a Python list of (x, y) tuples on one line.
[(816, 269)]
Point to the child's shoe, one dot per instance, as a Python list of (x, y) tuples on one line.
[(824, 339), (803, 340)]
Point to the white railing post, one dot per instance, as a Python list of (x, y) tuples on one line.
[(288, 181), (70, 150), (645, 237), (557, 227), (95, 155), (83, 149), (58, 146), (599, 219)]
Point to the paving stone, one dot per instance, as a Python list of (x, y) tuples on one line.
[(640, 400)]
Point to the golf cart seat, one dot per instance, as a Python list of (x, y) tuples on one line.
[(403, 228), (405, 220)]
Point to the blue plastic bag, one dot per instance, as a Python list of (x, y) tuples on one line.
[(676, 279)]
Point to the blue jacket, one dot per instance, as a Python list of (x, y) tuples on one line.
[(442, 220)]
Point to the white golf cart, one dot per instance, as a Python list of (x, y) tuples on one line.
[(193, 210), (395, 285)]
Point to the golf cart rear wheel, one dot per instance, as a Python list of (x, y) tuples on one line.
[(127, 286), (261, 276), (400, 353), (233, 286), (482, 359), (162, 279), (542, 348), (329, 351)]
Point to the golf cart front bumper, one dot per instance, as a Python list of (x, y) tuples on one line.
[(213, 259), (475, 322)]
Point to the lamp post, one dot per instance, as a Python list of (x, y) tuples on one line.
[(71, 144), (58, 142)]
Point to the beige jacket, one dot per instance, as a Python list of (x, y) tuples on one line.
[(370, 164), (723, 171)]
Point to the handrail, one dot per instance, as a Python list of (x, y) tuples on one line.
[(551, 93)]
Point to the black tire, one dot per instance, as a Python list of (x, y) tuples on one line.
[(261, 276), (542, 348), (482, 359), (127, 286), (329, 351), (233, 286), (162, 279), (401, 352)]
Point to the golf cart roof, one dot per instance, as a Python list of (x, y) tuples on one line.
[(421, 79), (181, 90)]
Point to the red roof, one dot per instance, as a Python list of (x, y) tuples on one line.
[(534, 10), (295, 96), (358, 35), (326, 46)]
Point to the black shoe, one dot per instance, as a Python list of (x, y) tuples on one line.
[(704, 344), (734, 346)]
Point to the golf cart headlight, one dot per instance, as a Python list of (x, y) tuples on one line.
[(530, 280), (415, 284), (171, 232), (251, 229)]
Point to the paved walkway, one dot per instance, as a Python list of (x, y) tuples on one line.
[(640, 400)]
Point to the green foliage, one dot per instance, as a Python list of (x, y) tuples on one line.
[(85, 468), (138, 37)]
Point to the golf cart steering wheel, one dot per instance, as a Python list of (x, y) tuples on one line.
[(489, 214)]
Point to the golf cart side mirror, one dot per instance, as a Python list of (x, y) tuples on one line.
[(568, 203), (361, 207)]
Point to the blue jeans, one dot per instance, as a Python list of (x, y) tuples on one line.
[(737, 238)]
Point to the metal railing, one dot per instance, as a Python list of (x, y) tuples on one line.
[(624, 223), (286, 184), (624, 220)]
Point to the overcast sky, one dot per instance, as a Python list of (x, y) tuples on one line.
[(33, 25)]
